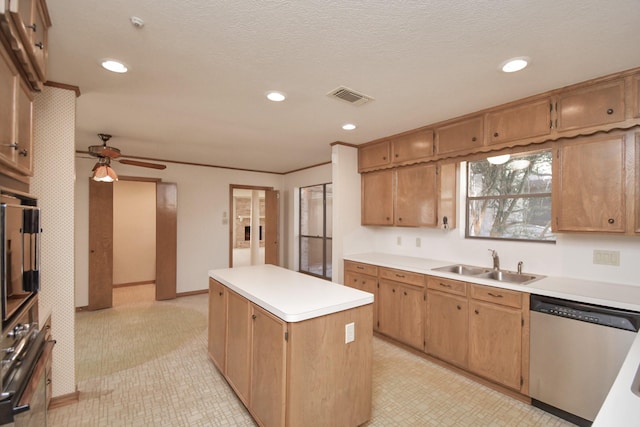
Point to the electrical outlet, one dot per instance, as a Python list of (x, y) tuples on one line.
[(399, 240), (349, 332), (606, 257), (418, 242)]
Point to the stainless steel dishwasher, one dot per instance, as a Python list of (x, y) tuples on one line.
[(576, 352)]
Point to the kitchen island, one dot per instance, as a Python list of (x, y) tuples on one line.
[(297, 350)]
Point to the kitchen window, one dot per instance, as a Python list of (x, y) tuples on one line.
[(509, 197), (316, 204)]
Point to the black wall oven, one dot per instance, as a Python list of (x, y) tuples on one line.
[(19, 253)]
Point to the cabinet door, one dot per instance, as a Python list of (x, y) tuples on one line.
[(411, 316), (589, 185), (217, 323), (389, 308), (9, 82), (412, 147), (268, 368), (460, 136), (374, 155), (595, 105), (31, 26), (377, 198), (519, 122), (24, 129), (447, 185), (495, 344), (238, 345), (365, 283), (416, 196), (448, 327)]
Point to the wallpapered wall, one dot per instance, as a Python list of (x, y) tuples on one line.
[(53, 185)]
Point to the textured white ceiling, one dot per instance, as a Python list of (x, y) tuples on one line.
[(199, 69)]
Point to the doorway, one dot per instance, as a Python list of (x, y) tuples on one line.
[(253, 226), (101, 241)]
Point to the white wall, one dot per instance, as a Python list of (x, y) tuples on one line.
[(134, 232), (203, 197)]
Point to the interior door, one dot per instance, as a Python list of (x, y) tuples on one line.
[(166, 239), (100, 245), (271, 242)]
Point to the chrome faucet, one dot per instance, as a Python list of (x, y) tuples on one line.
[(496, 259), (520, 267)]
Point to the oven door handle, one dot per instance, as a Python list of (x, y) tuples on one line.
[(20, 409)]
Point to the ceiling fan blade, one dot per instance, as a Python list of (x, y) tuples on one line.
[(143, 164)]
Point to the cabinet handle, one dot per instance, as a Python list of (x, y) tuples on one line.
[(393, 290), (400, 219), (405, 292), (32, 26), (253, 316), (611, 220), (364, 282), (473, 139), (39, 45), (610, 111), (14, 145), (459, 308), (494, 295), (359, 267), (496, 134), (23, 152), (400, 275), (384, 157), (476, 311), (444, 285), (220, 293), (397, 155)]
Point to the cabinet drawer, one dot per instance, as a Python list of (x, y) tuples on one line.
[(497, 295), (402, 276), (447, 285), (359, 267)]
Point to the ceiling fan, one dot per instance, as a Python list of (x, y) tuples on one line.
[(112, 153)]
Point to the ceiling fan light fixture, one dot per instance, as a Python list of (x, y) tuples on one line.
[(114, 66), (103, 172), (499, 160)]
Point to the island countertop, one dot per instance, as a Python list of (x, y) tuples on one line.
[(289, 295)]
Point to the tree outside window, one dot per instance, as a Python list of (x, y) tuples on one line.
[(510, 200)]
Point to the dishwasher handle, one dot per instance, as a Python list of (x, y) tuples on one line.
[(590, 313)]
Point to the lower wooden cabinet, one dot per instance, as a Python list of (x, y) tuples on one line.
[(365, 278), (447, 334), (217, 323), (238, 346), (401, 312)]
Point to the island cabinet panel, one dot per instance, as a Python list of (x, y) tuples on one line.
[(217, 323), (447, 333), (365, 278), (412, 147), (238, 345), (374, 156), (461, 135), (268, 368), (527, 120), (330, 382), (594, 105), (589, 184)]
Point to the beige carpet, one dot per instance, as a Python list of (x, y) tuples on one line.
[(109, 341)]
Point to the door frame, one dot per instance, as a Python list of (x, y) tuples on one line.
[(275, 245), (101, 245)]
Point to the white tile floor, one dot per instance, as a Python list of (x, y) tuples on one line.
[(180, 387)]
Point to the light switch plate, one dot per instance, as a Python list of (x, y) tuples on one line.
[(606, 257), (349, 332)]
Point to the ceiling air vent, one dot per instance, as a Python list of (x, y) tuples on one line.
[(350, 96)]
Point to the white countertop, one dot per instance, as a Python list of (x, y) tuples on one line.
[(289, 295), (621, 407)]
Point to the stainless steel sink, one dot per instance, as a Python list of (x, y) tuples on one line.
[(509, 277), (487, 273), (465, 270)]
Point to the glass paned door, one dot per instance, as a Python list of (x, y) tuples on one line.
[(315, 230)]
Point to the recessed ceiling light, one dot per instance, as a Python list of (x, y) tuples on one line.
[(514, 64), (114, 66), (348, 126), (276, 96)]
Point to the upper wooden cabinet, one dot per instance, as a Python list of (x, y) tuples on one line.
[(589, 176), (416, 196), (374, 156), (412, 147), (462, 135), (16, 120), (377, 198), (593, 105), (25, 25), (527, 120)]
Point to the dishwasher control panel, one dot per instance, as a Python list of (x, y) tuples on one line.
[(604, 316)]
